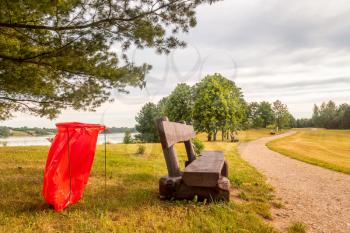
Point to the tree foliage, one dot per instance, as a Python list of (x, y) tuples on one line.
[(4, 132), (178, 105), (260, 114), (212, 105), (331, 116), (58, 54), (146, 123), (218, 106), (281, 115)]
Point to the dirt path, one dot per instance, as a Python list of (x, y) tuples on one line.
[(318, 197)]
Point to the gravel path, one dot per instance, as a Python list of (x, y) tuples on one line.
[(318, 197)]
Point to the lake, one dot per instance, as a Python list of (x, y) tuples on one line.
[(42, 140)]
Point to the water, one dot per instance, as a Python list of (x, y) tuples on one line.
[(43, 140)]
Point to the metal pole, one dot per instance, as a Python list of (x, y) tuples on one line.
[(69, 165), (105, 136)]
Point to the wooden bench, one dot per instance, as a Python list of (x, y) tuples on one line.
[(204, 177)]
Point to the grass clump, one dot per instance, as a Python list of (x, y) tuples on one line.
[(198, 145), (297, 227), (141, 150)]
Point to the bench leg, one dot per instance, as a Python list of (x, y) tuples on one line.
[(174, 187), (224, 171)]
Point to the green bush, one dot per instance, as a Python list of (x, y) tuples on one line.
[(141, 150), (127, 137), (198, 145), (3, 143), (4, 132)]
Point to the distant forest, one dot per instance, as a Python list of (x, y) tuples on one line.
[(120, 130), (26, 131), (328, 115)]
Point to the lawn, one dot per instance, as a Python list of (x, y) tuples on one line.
[(246, 135), (253, 134), (325, 148), (131, 202)]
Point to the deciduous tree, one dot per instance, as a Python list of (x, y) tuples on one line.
[(179, 103), (146, 123), (281, 114), (218, 105)]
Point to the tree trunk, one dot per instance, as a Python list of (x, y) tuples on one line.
[(209, 137), (223, 135), (215, 133)]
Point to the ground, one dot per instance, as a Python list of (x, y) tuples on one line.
[(131, 203), (313, 195), (325, 148)]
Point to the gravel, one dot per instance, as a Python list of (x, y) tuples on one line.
[(316, 196)]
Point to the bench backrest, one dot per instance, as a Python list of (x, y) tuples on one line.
[(171, 133)]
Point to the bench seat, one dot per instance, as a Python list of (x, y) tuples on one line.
[(205, 171)]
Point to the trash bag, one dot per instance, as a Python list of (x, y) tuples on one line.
[(69, 163)]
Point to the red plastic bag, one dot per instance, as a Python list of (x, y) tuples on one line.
[(68, 167)]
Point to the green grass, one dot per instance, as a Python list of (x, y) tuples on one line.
[(131, 203), (326, 148)]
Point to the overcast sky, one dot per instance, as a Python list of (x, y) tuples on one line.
[(295, 51)]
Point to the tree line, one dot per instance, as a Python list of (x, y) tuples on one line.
[(328, 115), (214, 106), (11, 131), (267, 115)]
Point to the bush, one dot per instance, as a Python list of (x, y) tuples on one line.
[(198, 145), (141, 150), (3, 143), (4, 132), (127, 137)]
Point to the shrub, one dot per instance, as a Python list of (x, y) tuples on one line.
[(3, 143), (198, 145), (297, 227), (127, 137), (4, 132), (141, 150)]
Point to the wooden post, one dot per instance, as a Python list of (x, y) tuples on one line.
[(169, 152), (191, 155)]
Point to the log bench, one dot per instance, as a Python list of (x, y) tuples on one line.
[(204, 177)]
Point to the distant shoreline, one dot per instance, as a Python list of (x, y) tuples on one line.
[(6, 132)]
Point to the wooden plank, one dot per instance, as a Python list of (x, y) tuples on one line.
[(176, 132), (204, 171), (212, 152), (168, 151)]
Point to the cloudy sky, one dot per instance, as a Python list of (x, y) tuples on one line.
[(295, 51)]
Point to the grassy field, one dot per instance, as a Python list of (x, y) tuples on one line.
[(253, 134), (131, 202), (325, 148), (245, 135)]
